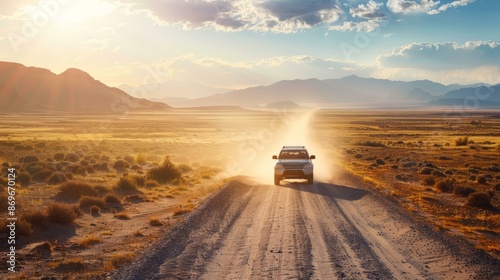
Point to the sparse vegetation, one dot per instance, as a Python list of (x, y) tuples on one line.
[(56, 178), (37, 218), (462, 141), (429, 181), (89, 240), (126, 184), (118, 260), (88, 201), (62, 213), (164, 173), (112, 198), (155, 221), (370, 143), (76, 189), (446, 185), (463, 191), (479, 200), (122, 216)]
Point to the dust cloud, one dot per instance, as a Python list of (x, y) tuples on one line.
[(291, 129)]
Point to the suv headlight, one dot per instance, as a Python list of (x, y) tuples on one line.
[(308, 165), (278, 166)]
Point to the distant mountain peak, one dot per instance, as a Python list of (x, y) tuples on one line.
[(74, 73)]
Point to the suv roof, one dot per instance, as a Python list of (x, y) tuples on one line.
[(293, 147)]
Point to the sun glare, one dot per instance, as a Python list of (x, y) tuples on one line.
[(77, 12)]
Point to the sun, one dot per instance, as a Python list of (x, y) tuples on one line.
[(70, 13)]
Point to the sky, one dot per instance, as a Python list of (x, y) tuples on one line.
[(241, 43)]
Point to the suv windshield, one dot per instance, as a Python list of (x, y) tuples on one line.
[(293, 154)]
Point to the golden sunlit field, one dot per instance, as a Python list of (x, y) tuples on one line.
[(93, 192)]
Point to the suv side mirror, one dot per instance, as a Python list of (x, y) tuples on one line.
[(275, 157), (312, 156)]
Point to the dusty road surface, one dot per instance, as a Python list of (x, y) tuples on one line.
[(297, 231)]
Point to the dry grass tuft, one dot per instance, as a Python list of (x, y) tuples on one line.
[(164, 173), (155, 221), (122, 216), (62, 213), (75, 189), (118, 260), (89, 240), (89, 201)]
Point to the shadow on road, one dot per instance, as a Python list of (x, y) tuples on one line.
[(326, 189)]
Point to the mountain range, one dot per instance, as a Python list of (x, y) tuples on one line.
[(351, 91), (32, 90), (29, 89)]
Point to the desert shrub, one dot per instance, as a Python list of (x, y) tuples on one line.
[(445, 158), (88, 201), (29, 159), (128, 158), (33, 168), (473, 170), (139, 179), (94, 210), (141, 159), (448, 172), (370, 144), (463, 190), (56, 178), (24, 179), (482, 179), (75, 189), (72, 157), (497, 187), (164, 173), (112, 198), (425, 171), (37, 218), (68, 176), (90, 169), (479, 200), (42, 175), (126, 184), (429, 181), (121, 164), (118, 260), (380, 161), (122, 216), (438, 173), (184, 167), (151, 183), (84, 162), (462, 141), (446, 185), (61, 213), (356, 156)]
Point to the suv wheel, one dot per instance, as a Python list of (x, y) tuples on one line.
[(310, 179), (277, 180)]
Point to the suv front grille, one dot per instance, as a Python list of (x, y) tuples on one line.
[(293, 165)]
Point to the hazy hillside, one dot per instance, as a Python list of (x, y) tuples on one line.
[(481, 96), (29, 89), (171, 89), (351, 91)]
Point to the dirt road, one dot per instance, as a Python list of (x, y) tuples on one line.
[(296, 231)]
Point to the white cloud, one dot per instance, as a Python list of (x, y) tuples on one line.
[(370, 10), (444, 56), (411, 6), (261, 15), (359, 26), (455, 4)]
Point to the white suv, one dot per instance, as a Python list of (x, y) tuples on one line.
[(294, 162)]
